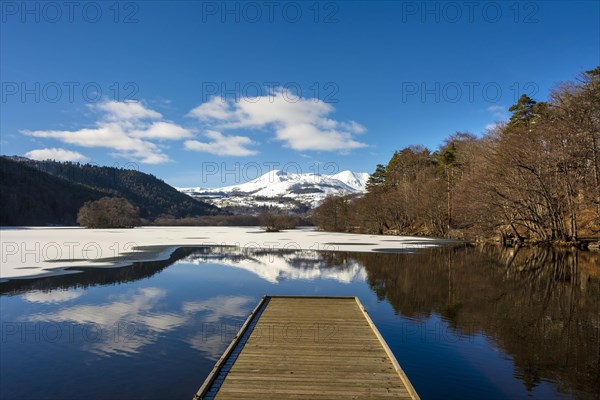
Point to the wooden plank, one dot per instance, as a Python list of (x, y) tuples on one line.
[(219, 365), (397, 367), (307, 347)]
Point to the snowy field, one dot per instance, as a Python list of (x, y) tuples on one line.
[(29, 252)]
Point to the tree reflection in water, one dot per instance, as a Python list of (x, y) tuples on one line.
[(541, 306)]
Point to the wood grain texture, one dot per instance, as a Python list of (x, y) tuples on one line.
[(308, 347)]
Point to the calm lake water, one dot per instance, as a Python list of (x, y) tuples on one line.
[(464, 323)]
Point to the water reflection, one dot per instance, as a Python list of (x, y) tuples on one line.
[(278, 266), (136, 319), (539, 307), (216, 332), (96, 276), (53, 296)]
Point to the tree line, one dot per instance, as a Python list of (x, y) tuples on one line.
[(532, 178)]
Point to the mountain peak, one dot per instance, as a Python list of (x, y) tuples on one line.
[(306, 188), (356, 180)]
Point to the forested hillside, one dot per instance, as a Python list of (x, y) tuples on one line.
[(48, 192), (32, 197), (533, 178)]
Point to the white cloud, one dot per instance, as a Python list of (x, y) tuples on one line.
[(163, 131), (57, 154), (302, 124), (216, 108), (309, 137), (498, 111), (125, 127), (108, 135), (222, 145), (127, 110)]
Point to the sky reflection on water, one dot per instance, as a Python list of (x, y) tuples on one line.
[(481, 323)]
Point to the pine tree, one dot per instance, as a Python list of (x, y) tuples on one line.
[(526, 112), (377, 178)]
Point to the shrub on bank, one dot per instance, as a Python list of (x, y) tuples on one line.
[(109, 212)]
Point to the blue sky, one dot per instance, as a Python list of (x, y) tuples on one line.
[(212, 93)]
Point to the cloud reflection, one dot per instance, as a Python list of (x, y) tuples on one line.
[(54, 296), (137, 318), (216, 334), (219, 307)]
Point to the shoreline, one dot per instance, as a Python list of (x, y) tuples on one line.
[(36, 252)]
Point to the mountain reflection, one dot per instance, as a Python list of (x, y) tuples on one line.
[(271, 265), (277, 266)]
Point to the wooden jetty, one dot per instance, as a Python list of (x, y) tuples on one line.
[(297, 347)]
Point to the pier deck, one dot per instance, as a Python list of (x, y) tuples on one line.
[(307, 347)]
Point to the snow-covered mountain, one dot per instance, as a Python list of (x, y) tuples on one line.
[(282, 189)]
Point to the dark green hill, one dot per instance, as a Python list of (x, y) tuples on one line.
[(49, 192)]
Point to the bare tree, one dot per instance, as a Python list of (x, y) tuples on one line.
[(108, 212)]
